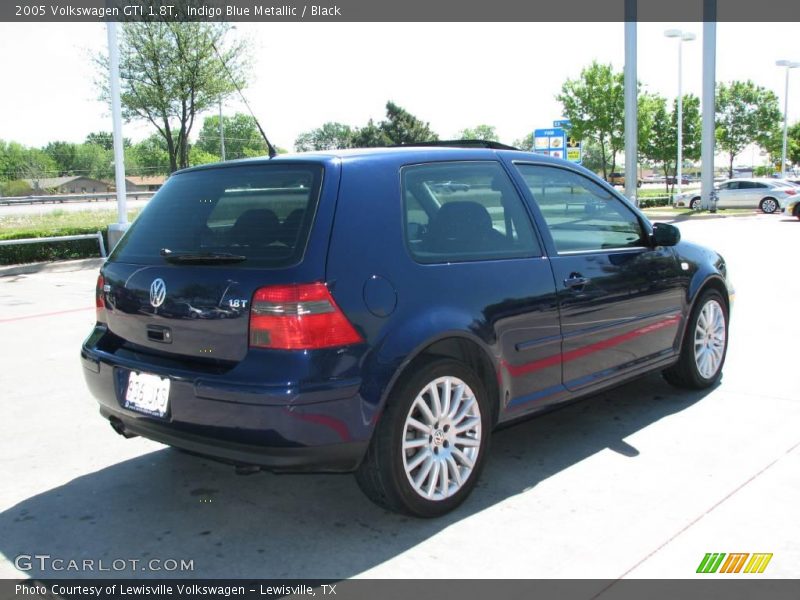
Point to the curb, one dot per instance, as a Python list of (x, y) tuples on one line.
[(692, 217), (61, 266)]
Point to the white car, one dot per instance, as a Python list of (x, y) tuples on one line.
[(791, 206), (768, 195)]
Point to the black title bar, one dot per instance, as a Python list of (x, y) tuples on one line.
[(745, 588), (392, 10)]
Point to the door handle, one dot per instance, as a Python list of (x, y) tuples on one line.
[(576, 281)]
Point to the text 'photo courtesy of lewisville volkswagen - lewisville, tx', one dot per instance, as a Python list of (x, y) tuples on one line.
[(376, 300)]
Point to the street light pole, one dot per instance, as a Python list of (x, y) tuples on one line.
[(787, 64), (221, 133), (116, 230), (708, 102), (631, 103), (683, 36)]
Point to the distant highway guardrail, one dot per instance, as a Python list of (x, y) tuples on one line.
[(61, 198)]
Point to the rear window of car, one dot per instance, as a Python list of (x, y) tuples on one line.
[(261, 212)]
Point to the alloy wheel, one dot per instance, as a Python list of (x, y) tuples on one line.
[(441, 438), (709, 339), (769, 206)]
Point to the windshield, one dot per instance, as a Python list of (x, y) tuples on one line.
[(261, 214)]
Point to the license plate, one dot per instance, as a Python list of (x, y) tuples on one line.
[(148, 394)]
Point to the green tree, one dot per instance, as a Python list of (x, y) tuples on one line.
[(661, 144), (793, 144), (371, 136), (692, 126), (88, 159), (171, 72), (331, 136), (148, 157), (746, 114), (93, 160), (20, 162), (16, 187), (594, 103), (242, 137), (592, 157), (480, 132), (524, 143), (64, 155), (401, 127), (104, 139), (198, 156)]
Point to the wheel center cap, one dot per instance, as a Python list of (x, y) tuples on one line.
[(438, 437)]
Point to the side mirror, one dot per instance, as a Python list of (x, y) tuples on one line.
[(665, 234)]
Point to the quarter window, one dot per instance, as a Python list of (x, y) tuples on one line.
[(580, 214), (464, 211)]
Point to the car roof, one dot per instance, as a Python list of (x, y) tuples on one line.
[(393, 154)]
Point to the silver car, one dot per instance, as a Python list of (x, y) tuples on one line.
[(765, 194)]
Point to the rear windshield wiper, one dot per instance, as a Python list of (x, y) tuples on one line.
[(201, 257)]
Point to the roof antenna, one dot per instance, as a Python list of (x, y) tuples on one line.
[(270, 148)]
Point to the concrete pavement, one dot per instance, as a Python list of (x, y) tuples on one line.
[(640, 481)]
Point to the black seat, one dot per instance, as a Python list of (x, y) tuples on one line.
[(255, 227), (462, 227), (291, 227)]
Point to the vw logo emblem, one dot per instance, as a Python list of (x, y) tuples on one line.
[(158, 291)]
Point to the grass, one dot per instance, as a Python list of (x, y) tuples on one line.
[(641, 193), (56, 223), (53, 222)]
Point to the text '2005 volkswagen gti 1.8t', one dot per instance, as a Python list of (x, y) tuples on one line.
[(382, 311)]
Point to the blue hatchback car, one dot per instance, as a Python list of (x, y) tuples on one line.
[(382, 311)]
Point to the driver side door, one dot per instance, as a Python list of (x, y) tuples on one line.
[(620, 299)]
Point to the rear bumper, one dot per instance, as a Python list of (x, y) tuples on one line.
[(320, 427), (331, 458)]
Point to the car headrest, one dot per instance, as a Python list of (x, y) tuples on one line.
[(459, 223), (256, 227)]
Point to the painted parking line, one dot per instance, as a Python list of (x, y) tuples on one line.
[(49, 314), (694, 521)]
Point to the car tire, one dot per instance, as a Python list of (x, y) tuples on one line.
[(694, 203), (769, 205), (705, 345), (421, 461)]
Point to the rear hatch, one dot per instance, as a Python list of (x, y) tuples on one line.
[(182, 279)]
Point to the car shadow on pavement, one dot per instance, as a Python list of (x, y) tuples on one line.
[(169, 505)]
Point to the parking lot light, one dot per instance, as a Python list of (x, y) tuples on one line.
[(787, 64), (683, 36)]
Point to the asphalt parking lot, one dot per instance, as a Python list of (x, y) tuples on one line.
[(640, 481)]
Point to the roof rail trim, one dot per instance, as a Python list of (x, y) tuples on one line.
[(460, 144)]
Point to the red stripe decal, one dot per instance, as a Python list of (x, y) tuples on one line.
[(50, 314), (526, 368), (337, 425)]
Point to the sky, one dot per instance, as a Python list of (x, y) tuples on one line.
[(453, 75)]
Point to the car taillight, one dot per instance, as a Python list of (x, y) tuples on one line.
[(99, 299), (790, 192), (298, 317)]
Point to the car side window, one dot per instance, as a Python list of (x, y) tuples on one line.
[(462, 211), (580, 214)]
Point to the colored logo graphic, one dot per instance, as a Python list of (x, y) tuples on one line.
[(734, 563)]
